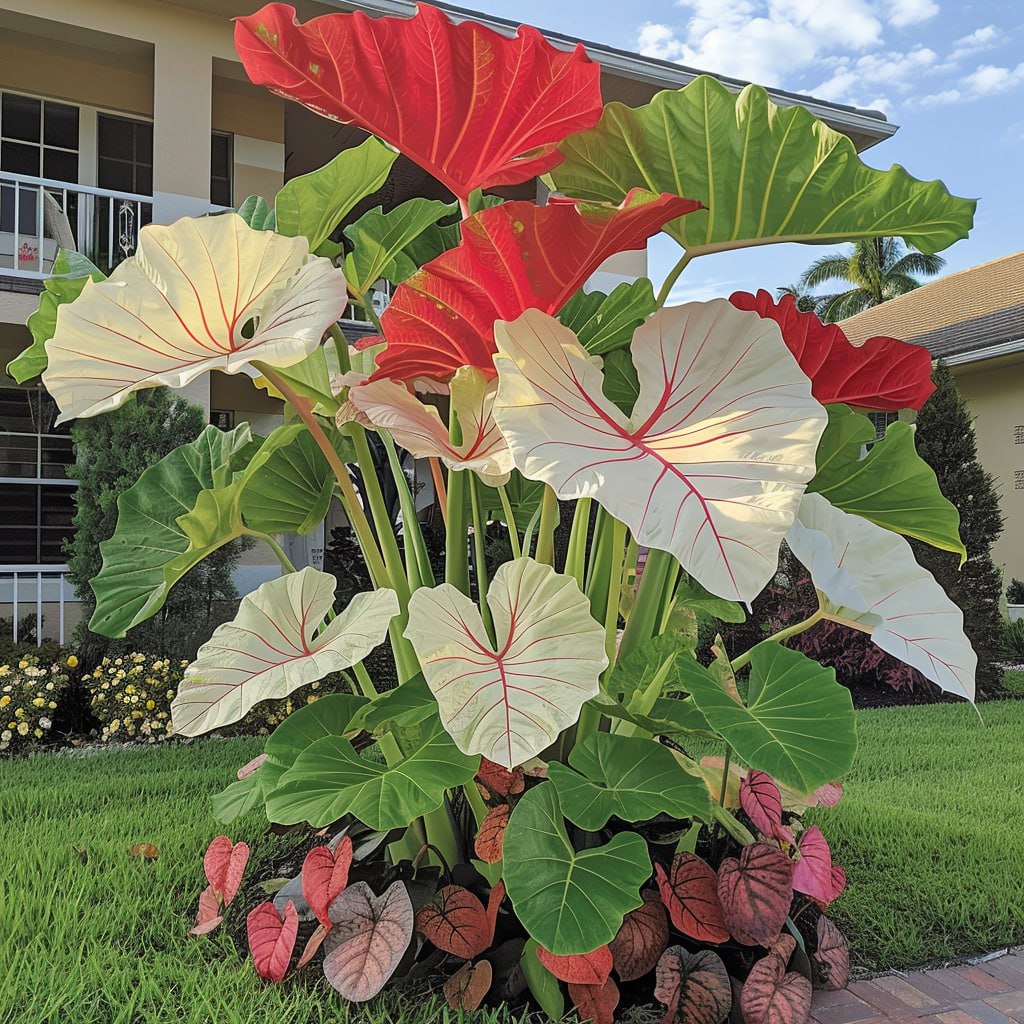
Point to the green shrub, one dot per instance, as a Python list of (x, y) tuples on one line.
[(1015, 592), (1013, 641), (30, 693)]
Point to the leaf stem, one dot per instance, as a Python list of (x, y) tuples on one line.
[(673, 276), (279, 552), (783, 634), (546, 530), (341, 348), (480, 558), (510, 522)]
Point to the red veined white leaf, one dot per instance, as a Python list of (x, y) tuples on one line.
[(224, 864), (832, 955), (714, 459), (471, 106), (272, 939), (771, 995), (182, 305), (512, 257), (208, 916), (761, 800), (641, 940), (368, 938), (455, 921), (275, 644), (324, 877), (693, 986), (595, 1003), (509, 702), (690, 892), (813, 872), (882, 373), (490, 836), (469, 985), (591, 968), (755, 892)]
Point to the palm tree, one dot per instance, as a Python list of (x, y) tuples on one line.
[(806, 300), (878, 268)]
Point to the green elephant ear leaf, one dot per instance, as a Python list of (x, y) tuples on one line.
[(569, 901), (892, 486), (257, 213), (329, 779), (70, 272), (237, 799), (604, 323), (314, 204), (797, 725), (629, 777), (765, 173)]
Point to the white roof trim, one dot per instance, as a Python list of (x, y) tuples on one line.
[(1004, 348)]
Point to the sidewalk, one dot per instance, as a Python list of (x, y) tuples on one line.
[(984, 993)]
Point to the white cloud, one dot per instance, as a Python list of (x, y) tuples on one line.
[(941, 99), (874, 74), (987, 80), (975, 42), (902, 13)]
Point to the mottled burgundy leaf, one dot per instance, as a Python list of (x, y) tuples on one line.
[(690, 892), (324, 877), (498, 780), (771, 995), (641, 940), (761, 800), (368, 938), (832, 955), (208, 915), (783, 947), (693, 986), (272, 939), (224, 864), (756, 892), (455, 921), (595, 1003), (490, 837), (591, 968)]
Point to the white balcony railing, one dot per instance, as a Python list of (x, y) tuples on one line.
[(40, 593), (38, 216)]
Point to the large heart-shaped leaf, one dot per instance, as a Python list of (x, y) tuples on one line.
[(569, 900), (761, 800), (603, 323), (325, 876), (443, 316), (690, 892), (641, 940), (67, 278), (871, 581), (312, 205), (712, 462), (626, 776), (455, 920), (693, 986), (272, 939), (891, 485), (882, 373), (813, 874), (329, 779), (765, 173), (201, 294), (798, 724), (418, 428), (493, 112), (275, 645), (755, 891), (509, 701), (832, 955), (368, 938), (224, 864), (771, 995)]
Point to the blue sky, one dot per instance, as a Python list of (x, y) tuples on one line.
[(950, 73)]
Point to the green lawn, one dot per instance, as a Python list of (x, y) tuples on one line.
[(929, 831)]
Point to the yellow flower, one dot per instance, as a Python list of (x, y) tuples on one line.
[(52, 705), (72, 661), (4, 669), (23, 728), (4, 701), (39, 703), (38, 733), (150, 705), (22, 664), (115, 725)]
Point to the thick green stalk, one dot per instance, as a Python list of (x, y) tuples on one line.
[(456, 549), (441, 833), (575, 557), (546, 531), (646, 617), (418, 567), (341, 348), (510, 522), (783, 634), (673, 276), (480, 558), (611, 611), (279, 552)]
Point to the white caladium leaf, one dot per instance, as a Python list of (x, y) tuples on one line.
[(206, 293), (712, 462), (418, 427), (272, 646), (869, 579), (511, 701)]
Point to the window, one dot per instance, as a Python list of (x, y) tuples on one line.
[(125, 154), (35, 515), (1018, 435), (881, 421), (221, 160)]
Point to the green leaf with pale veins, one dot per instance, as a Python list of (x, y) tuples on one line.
[(604, 323), (891, 485), (314, 204), (632, 778), (257, 213), (765, 173), (569, 901)]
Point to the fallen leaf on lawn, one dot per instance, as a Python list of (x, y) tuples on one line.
[(208, 915), (83, 854), (467, 987), (147, 851)]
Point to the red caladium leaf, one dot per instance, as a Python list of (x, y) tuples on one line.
[(591, 968), (316, 940), (498, 780), (690, 892), (595, 1003), (208, 916), (251, 767), (755, 893), (324, 877), (883, 373), (832, 955), (368, 938), (694, 986), (771, 995), (641, 940), (512, 257), (762, 801), (224, 865), (471, 106), (490, 837), (828, 795), (493, 907), (467, 987), (272, 939), (455, 921), (813, 872)]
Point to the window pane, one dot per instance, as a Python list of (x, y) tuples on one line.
[(19, 158), (15, 410), (116, 137), (19, 118), (144, 142), (60, 165), (60, 125), (220, 192), (116, 175), (220, 153), (18, 456), (57, 455), (143, 180)]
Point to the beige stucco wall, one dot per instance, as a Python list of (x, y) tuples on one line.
[(994, 389)]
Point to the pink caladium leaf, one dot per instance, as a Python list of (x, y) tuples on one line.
[(509, 700), (641, 940), (771, 995), (595, 1003), (832, 955), (272, 939), (813, 872), (208, 915), (316, 940), (714, 459), (368, 938), (761, 800), (828, 795), (251, 767), (224, 863), (324, 877), (591, 968), (755, 892), (690, 892), (693, 986)]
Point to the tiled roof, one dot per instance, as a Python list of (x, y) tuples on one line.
[(962, 312)]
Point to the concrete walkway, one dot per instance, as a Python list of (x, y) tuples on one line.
[(989, 992)]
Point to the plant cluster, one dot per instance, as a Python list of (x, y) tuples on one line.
[(30, 691), (1015, 592), (529, 800)]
